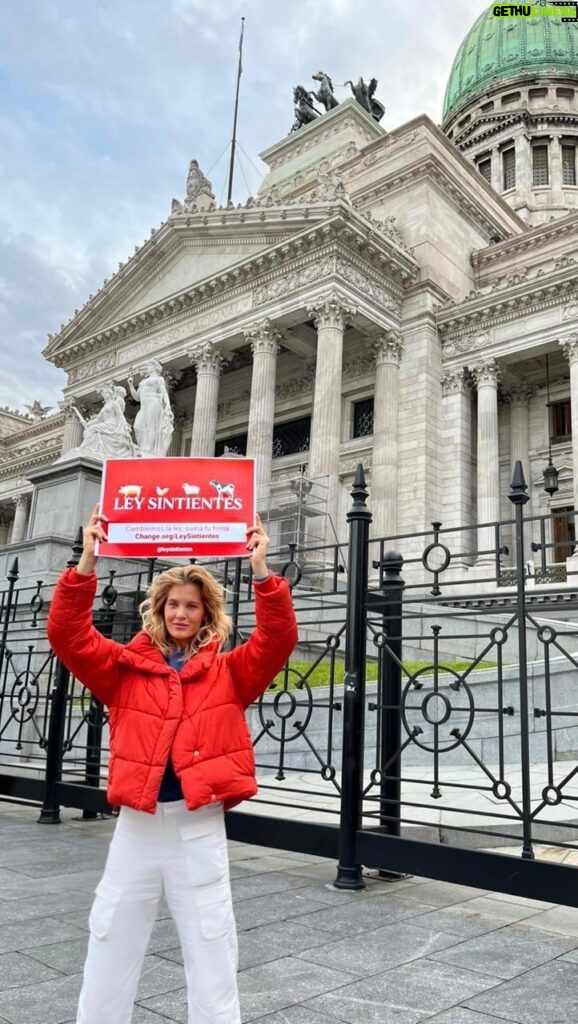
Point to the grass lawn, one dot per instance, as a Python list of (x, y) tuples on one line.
[(319, 676)]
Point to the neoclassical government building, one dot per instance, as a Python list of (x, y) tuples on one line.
[(392, 297)]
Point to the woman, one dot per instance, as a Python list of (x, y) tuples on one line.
[(153, 425), (181, 755)]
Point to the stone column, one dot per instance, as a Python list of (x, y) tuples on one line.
[(384, 473), (486, 377), (180, 422), (207, 361), (19, 526), (523, 165), (73, 430), (556, 169), (570, 349), (519, 398), (5, 521), (264, 339), (330, 316), (497, 183), (457, 456)]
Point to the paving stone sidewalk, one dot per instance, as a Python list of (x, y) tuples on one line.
[(396, 953)]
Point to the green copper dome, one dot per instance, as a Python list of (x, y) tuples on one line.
[(498, 50)]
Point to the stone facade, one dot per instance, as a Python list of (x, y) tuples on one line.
[(371, 267)]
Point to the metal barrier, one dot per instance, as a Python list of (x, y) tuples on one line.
[(426, 715)]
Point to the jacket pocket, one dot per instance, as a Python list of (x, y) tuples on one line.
[(103, 911)]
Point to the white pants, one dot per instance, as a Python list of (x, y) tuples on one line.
[(183, 854)]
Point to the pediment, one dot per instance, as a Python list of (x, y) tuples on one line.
[(189, 262), (178, 256)]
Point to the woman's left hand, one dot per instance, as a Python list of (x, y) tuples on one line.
[(258, 544)]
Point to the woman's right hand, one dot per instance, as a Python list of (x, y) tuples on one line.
[(92, 532)]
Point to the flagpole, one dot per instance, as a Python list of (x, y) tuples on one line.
[(234, 142)]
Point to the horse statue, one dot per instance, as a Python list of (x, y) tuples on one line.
[(325, 93), (364, 94), (305, 112)]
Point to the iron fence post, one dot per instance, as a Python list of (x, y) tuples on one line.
[(6, 609), (359, 518), (50, 813), (392, 586), (519, 496)]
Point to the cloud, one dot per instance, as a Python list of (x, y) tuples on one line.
[(102, 105)]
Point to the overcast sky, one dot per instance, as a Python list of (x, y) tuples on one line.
[(104, 102)]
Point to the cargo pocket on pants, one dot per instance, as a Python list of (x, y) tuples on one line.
[(205, 853), (103, 911), (216, 916)]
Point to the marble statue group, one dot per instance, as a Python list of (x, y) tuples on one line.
[(108, 435), (305, 111)]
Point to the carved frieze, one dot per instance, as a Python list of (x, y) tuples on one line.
[(294, 281), (361, 366), (347, 466), (368, 287), (468, 344), (92, 367), (293, 387)]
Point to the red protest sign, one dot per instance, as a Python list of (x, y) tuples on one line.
[(181, 508)]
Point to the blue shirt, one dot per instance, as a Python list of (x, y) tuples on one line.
[(171, 788)]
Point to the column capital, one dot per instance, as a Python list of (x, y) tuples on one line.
[(388, 348), (569, 346), (263, 337), (519, 394), (331, 311), (457, 381), (486, 374), (21, 501), (206, 358)]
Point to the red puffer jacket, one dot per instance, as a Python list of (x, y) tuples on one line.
[(196, 715)]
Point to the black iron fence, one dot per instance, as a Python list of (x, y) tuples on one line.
[(427, 721)]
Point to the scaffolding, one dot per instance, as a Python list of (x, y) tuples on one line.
[(296, 514)]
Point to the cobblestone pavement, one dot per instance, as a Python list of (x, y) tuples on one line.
[(396, 953)]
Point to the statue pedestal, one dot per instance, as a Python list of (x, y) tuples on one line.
[(64, 497)]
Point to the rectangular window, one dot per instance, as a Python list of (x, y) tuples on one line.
[(539, 165), (568, 165), (511, 98), (485, 169), (234, 446), (486, 107), (363, 418), (560, 421), (291, 437), (509, 168), (564, 533)]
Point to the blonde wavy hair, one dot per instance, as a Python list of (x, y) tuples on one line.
[(216, 623)]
